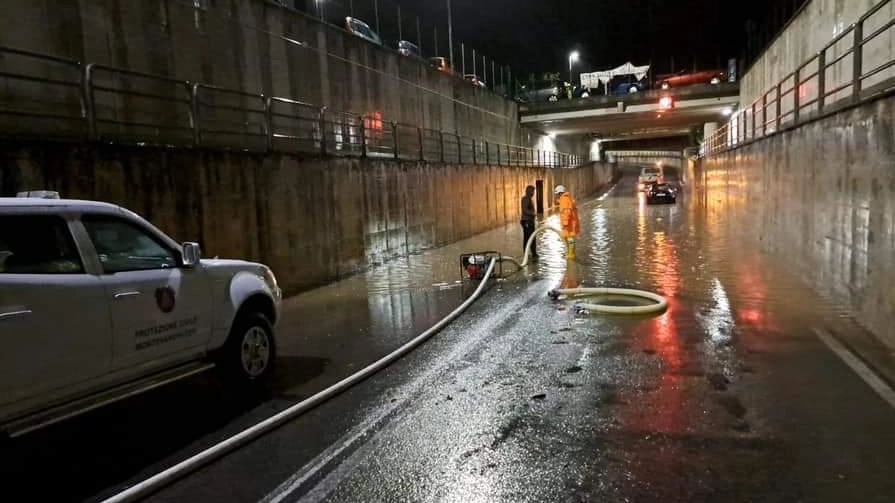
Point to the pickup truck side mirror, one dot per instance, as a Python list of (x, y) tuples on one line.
[(191, 254)]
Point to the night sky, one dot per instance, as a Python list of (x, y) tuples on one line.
[(537, 35)]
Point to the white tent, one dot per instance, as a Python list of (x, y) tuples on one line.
[(596, 79)]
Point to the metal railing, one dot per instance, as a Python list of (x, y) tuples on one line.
[(650, 96), (850, 69), (43, 96)]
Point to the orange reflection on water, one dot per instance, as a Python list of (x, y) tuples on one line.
[(657, 258), (753, 292)]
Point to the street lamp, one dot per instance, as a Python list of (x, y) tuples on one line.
[(573, 58)]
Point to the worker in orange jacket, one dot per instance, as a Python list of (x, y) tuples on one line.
[(568, 216)]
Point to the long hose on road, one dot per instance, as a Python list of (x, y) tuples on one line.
[(194, 463), (197, 461)]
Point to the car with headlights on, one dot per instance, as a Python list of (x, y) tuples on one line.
[(661, 193)]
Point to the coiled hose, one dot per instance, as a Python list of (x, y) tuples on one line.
[(659, 304)]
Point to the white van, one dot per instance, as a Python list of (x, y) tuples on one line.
[(649, 176)]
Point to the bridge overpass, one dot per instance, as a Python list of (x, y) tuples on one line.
[(641, 115)]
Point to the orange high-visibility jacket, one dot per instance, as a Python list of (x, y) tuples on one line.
[(568, 215)]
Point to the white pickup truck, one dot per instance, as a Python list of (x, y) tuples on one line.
[(649, 176), (96, 305)]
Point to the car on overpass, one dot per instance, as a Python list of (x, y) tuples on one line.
[(99, 305), (362, 30), (441, 64), (474, 80), (661, 193), (683, 79), (630, 87), (542, 92), (409, 49)]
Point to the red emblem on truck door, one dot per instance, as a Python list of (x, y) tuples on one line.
[(165, 298)]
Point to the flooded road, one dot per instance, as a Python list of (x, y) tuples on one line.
[(728, 396)]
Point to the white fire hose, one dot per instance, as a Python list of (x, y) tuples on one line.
[(192, 464)]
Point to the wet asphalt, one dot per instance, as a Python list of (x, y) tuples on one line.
[(728, 396)]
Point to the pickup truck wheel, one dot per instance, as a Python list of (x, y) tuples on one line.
[(248, 356)]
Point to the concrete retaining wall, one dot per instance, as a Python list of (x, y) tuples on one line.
[(255, 46), (823, 197), (311, 220), (814, 27)]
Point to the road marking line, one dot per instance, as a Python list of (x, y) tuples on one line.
[(334, 477), (294, 482), (864, 372)]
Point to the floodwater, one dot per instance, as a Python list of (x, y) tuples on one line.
[(721, 398)]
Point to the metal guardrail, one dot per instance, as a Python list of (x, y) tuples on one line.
[(849, 70), (48, 91), (43, 96)]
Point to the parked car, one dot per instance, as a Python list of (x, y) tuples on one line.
[(682, 79), (409, 49), (362, 30), (441, 63), (97, 304), (474, 80), (661, 193), (543, 92), (649, 176), (630, 87)]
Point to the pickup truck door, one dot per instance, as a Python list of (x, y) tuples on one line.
[(54, 319), (161, 311)]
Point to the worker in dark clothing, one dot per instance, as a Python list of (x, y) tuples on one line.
[(528, 221)]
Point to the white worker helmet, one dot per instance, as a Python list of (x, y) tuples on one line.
[(560, 189)]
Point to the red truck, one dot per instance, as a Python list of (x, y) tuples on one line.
[(682, 79)]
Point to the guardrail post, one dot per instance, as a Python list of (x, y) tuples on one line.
[(777, 108), (475, 147), (498, 154), (459, 149), (363, 136), (764, 115), (858, 59), (419, 131), (441, 142), (197, 115), (395, 144), (796, 88), (821, 80), (268, 119), (321, 123), (89, 104), (754, 122)]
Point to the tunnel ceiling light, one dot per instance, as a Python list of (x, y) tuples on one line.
[(727, 112), (552, 136)]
